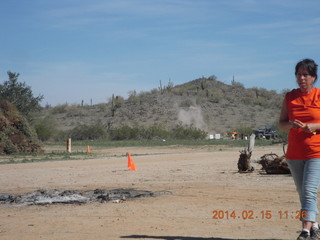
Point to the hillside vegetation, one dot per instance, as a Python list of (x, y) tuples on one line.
[(204, 103), (16, 135)]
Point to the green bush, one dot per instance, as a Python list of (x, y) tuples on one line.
[(123, 133), (84, 132), (60, 109), (247, 131), (6, 145), (16, 134), (156, 132), (19, 94), (46, 128), (190, 132)]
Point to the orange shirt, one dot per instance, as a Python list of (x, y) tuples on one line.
[(306, 108)]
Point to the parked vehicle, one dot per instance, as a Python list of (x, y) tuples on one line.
[(266, 132)]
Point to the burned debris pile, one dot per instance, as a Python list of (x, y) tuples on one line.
[(45, 197), (273, 164)]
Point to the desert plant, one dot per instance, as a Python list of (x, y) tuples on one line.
[(62, 108), (187, 132), (116, 102), (19, 94), (203, 83), (156, 132), (133, 96), (46, 128), (84, 132), (123, 133), (244, 131), (16, 133), (6, 145)]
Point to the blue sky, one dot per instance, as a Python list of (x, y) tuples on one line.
[(74, 50)]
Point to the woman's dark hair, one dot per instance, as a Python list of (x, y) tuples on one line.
[(309, 65)]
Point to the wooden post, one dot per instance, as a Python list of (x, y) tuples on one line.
[(251, 142), (69, 145)]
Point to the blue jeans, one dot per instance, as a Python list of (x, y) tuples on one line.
[(306, 176)]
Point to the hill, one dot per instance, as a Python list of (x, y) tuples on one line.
[(206, 103)]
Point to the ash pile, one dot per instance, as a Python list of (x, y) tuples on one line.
[(45, 197)]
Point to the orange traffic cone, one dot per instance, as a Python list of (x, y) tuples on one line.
[(131, 165), (88, 149)]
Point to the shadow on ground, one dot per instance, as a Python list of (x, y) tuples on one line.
[(182, 238)]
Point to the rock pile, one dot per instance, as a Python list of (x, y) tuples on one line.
[(44, 197)]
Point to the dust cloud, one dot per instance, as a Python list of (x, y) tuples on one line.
[(192, 116)]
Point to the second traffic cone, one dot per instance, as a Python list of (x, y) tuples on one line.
[(131, 165), (88, 149)]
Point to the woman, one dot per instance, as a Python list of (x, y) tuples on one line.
[(300, 115)]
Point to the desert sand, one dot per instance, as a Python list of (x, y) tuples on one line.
[(204, 183)]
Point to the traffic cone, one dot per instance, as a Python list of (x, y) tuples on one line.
[(131, 165), (88, 149)]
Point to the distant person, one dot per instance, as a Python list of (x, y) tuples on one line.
[(300, 115)]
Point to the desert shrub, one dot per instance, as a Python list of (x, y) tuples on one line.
[(236, 84), (200, 98), (63, 108), (84, 132), (133, 98), (23, 126), (19, 94), (244, 131), (44, 133), (69, 110), (187, 132), (187, 102), (215, 95), (15, 121), (6, 145), (154, 91), (156, 132), (46, 128), (16, 135), (123, 133), (261, 102)]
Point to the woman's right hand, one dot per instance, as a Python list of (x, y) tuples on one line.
[(297, 124)]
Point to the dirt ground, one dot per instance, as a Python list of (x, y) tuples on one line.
[(204, 183)]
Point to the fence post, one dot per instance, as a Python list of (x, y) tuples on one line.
[(69, 145)]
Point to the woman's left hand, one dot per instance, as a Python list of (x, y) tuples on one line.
[(310, 127)]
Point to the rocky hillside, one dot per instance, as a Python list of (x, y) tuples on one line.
[(205, 103)]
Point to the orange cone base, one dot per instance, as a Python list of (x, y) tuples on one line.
[(131, 165), (88, 149)]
